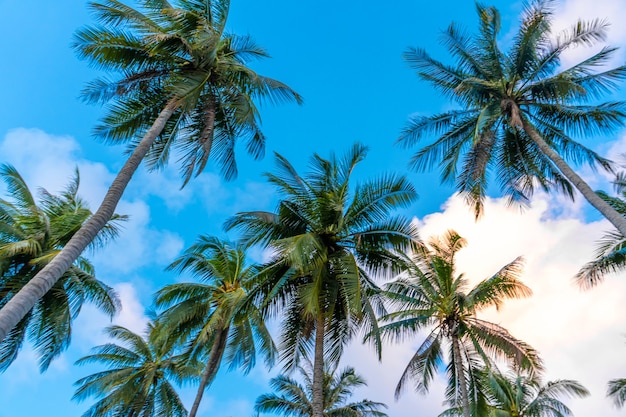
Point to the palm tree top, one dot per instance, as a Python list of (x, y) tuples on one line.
[(508, 96), (178, 53), (329, 240)]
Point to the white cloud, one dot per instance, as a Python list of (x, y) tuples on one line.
[(578, 333), (88, 328), (568, 12), (139, 244), (49, 161)]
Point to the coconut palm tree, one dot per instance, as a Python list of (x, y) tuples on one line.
[(214, 315), (32, 233), (328, 240), (523, 396), (183, 88), (432, 296), (617, 391), (295, 398), (611, 252), (137, 381), (519, 108)]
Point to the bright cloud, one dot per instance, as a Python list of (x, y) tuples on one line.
[(49, 161), (578, 333), (139, 244)]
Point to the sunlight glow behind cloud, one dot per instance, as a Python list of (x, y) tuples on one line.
[(578, 333)]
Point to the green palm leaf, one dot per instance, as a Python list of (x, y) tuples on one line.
[(520, 111), (432, 296), (32, 233), (327, 239)]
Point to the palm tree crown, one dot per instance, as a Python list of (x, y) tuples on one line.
[(137, 381), (31, 235), (184, 88), (295, 399), (520, 110), (214, 316), (167, 54), (611, 252), (433, 296), (327, 240)]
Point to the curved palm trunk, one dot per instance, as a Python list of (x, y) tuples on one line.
[(460, 375), (318, 369), (212, 366), (41, 283), (602, 206)]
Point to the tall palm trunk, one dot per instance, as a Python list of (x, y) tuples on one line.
[(602, 206), (212, 366), (41, 283), (318, 368), (460, 375)]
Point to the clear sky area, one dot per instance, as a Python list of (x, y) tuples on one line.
[(344, 58)]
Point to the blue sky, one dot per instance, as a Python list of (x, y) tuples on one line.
[(345, 59)]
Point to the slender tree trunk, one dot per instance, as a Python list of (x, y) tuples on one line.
[(318, 368), (602, 206), (212, 366), (460, 375), (41, 283)]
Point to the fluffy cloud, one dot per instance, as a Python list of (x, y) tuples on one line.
[(568, 12), (578, 333), (49, 161)]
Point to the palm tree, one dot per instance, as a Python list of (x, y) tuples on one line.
[(328, 241), (523, 396), (433, 296), (519, 110), (184, 87), (617, 391), (214, 315), (611, 252), (31, 235), (137, 381), (295, 399)]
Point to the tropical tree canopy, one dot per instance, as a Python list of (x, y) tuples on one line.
[(520, 109), (611, 252), (432, 296), (328, 240), (523, 396), (617, 391), (294, 398), (184, 87), (213, 318), (32, 233), (139, 375), (178, 52)]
